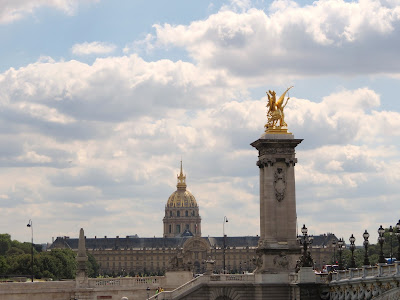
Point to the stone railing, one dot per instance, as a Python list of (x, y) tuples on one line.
[(364, 283), (381, 270), (127, 282), (205, 279)]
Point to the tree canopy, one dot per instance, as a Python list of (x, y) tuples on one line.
[(15, 259)]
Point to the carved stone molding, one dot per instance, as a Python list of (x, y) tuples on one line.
[(291, 162), (277, 150), (266, 162)]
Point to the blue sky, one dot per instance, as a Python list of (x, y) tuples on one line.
[(99, 100)]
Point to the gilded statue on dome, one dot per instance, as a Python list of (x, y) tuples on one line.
[(275, 113)]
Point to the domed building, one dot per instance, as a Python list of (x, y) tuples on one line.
[(182, 212), (181, 246)]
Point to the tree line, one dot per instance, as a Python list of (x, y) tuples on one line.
[(15, 259)]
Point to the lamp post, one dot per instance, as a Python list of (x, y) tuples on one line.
[(381, 240), (334, 251), (223, 251), (341, 246), (366, 259), (391, 243), (352, 239), (398, 239), (30, 224), (148, 292), (305, 241)]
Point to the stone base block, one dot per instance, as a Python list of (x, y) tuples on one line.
[(272, 278), (307, 275), (277, 135), (277, 261)]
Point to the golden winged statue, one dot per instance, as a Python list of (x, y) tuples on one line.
[(275, 112)]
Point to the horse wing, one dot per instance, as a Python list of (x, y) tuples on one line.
[(281, 98)]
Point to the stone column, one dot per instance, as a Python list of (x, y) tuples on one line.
[(277, 249)]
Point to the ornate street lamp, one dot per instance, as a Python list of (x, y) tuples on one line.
[(352, 239), (381, 240), (223, 251), (341, 246), (305, 241), (391, 243), (366, 259), (398, 239), (334, 241), (30, 224)]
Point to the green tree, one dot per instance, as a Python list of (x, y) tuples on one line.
[(93, 266), (3, 265), (25, 247), (19, 264), (5, 243), (66, 257), (14, 251), (48, 266)]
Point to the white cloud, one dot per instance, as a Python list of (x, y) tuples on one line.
[(93, 48), (292, 40), (115, 88), (12, 10)]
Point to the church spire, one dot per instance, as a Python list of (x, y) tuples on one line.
[(181, 180)]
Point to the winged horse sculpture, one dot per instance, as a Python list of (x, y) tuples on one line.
[(275, 109)]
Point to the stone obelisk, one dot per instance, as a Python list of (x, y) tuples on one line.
[(278, 250), (81, 259)]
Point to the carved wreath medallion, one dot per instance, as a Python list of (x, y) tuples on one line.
[(279, 184)]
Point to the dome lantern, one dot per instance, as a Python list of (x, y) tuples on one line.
[(181, 180)]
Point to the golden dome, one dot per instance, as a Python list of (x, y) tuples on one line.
[(181, 197)]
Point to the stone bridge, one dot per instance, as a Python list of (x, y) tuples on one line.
[(370, 282), (245, 286), (381, 282)]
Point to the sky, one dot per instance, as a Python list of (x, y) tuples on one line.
[(100, 100)]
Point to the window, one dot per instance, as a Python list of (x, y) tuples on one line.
[(187, 226), (178, 213), (170, 228), (178, 228), (186, 213), (170, 213)]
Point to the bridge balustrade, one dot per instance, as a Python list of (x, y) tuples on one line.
[(126, 281), (364, 283)]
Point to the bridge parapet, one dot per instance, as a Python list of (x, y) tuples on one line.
[(366, 283), (127, 282)]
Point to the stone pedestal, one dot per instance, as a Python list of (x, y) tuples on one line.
[(307, 275), (210, 266), (278, 250)]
